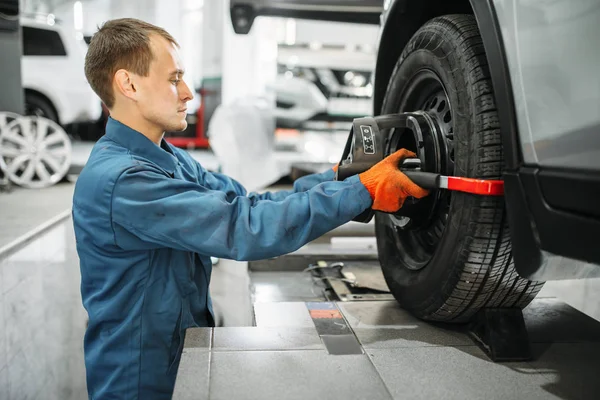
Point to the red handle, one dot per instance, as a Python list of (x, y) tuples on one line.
[(486, 187)]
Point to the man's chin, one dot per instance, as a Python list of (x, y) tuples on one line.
[(178, 127)]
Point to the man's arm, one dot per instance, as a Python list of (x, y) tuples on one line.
[(232, 188), (187, 216), (302, 184)]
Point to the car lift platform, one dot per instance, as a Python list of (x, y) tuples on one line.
[(326, 327)]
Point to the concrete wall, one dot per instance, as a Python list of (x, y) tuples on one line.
[(42, 321)]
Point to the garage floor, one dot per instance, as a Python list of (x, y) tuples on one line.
[(284, 357), (269, 346)]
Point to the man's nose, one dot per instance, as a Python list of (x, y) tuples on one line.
[(186, 93)]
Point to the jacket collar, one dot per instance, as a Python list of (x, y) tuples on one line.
[(140, 145)]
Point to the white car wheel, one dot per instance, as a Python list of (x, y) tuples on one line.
[(35, 152), (6, 118)]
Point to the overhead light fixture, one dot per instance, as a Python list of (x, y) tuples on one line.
[(78, 15)]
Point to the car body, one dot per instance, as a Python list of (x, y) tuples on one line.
[(543, 62), (53, 75)]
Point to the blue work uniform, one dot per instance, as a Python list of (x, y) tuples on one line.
[(147, 218)]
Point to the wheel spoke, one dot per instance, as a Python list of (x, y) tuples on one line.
[(58, 152), (17, 163), (27, 175), (15, 138), (52, 162), (9, 152), (42, 172), (42, 129), (54, 138), (27, 129)]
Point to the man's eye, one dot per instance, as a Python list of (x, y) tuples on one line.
[(175, 81)]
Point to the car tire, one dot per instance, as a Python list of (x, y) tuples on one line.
[(37, 105), (461, 260)]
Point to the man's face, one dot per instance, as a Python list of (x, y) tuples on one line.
[(162, 95)]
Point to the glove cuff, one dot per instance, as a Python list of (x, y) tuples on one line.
[(370, 181)]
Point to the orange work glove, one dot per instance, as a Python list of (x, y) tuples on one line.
[(388, 186)]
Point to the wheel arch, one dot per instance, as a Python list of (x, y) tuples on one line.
[(45, 98), (405, 17)]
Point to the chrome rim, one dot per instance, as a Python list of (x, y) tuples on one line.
[(6, 118), (35, 152)]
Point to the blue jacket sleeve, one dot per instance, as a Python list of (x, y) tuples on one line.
[(217, 181), (302, 184), (183, 215)]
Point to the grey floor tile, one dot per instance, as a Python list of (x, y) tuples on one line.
[(272, 287), (572, 369), (383, 324), (292, 375), (198, 338), (456, 373), (193, 375), (274, 338), (582, 294), (342, 344), (284, 314), (551, 320)]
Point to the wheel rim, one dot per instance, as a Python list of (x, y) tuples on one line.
[(6, 118), (34, 152), (417, 238)]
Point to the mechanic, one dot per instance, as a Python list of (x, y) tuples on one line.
[(147, 216)]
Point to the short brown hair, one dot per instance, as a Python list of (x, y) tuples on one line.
[(119, 44)]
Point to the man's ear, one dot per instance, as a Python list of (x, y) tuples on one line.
[(124, 82)]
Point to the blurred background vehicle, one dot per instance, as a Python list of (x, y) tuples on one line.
[(317, 83), (53, 75)]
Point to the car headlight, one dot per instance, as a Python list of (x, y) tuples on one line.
[(296, 72), (354, 79)]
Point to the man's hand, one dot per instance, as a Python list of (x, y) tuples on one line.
[(335, 168), (388, 186)]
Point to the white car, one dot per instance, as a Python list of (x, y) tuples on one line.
[(322, 85), (53, 77)]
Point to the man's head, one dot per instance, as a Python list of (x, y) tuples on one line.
[(135, 69)]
